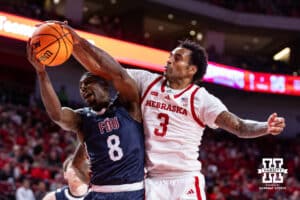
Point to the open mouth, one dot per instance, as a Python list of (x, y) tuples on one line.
[(87, 95)]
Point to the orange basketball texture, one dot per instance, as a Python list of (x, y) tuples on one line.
[(52, 44)]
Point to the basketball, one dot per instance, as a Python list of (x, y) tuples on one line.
[(52, 43)]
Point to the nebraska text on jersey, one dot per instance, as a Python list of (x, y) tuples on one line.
[(164, 106)]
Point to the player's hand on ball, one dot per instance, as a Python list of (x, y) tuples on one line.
[(66, 26), (275, 124), (39, 67)]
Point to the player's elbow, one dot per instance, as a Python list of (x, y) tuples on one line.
[(241, 129), (238, 128), (54, 116)]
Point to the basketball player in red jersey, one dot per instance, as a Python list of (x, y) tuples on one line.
[(175, 113)]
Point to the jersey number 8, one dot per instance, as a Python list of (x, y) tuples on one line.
[(115, 152)]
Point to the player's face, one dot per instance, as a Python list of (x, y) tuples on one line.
[(178, 64), (93, 93)]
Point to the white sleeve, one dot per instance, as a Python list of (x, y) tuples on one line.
[(210, 108), (19, 195), (32, 195), (142, 78)]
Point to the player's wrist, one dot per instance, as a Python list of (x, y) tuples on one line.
[(41, 72)]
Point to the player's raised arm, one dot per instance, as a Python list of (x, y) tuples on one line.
[(100, 63), (249, 128), (65, 117)]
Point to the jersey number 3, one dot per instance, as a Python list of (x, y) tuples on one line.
[(115, 152), (163, 126)]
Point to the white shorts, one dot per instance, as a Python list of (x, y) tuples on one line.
[(187, 187)]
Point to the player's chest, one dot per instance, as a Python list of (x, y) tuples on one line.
[(101, 127), (167, 101)]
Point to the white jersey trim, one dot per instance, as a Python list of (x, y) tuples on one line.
[(71, 197), (118, 188), (155, 81)]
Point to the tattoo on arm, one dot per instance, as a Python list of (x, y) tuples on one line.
[(240, 127)]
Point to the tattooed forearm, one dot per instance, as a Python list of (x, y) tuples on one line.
[(241, 128), (252, 129)]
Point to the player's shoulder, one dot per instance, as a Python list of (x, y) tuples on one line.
[(136, 73), (201, 90), (85, 111), (198, 90), (50, 196), (202, 95)]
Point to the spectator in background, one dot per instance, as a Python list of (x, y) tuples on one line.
[(24, 191), (76, 189), (6, 173), (41, 189)]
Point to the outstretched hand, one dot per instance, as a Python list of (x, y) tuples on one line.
[(31, 57), (65, 25), (275, 124)]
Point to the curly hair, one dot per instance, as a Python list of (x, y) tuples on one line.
[(198, 58)]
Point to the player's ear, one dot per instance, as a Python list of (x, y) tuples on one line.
[(192, 69)]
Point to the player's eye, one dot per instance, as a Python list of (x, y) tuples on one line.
[(176, 58)]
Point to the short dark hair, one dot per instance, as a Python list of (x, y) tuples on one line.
[(113, 93), (67, 162), (99, 79), (198, 57)]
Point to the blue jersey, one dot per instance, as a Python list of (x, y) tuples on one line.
[(65, 194), (115, 145)]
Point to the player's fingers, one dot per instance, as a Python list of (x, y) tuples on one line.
[(55, 22), (281, 125), (29, 50), (28, 47), (272, 116), (278, 122), (275, 130), (38, 25), (279, 119), (51, 21)]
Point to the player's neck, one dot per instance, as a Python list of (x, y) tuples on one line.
[(102, 111), (178, 84), (78, 190)]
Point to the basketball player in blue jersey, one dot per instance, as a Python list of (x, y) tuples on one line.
[(110, 128), (75, 190)]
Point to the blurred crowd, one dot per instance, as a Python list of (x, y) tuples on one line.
[(231, 166), (114, 26), (254, 63), (32, 149), (289, 8)]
